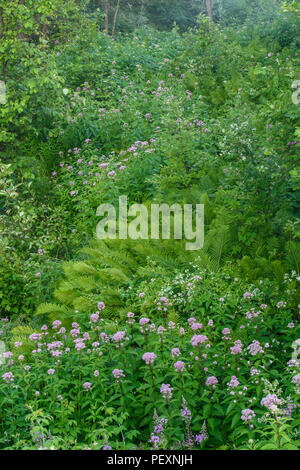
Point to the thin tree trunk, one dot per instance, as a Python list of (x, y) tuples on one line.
[(44, 30), (141, 12), (21, 35), (106, 17), (4, 65), (220, 9), (115, 19), (209, 9), (4, 68)]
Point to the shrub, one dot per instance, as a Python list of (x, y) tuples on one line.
[(70, 387)]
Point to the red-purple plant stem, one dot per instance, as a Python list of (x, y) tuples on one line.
[(181, 382), (200, 367), (12, 408), (153, 384), (278, 434), (79, 384), (162, 348), (123, 357)]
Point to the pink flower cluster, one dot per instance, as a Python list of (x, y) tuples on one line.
[(198, 339), (271, 401), (87, 386), (233, 382), (211, 380), (149, 357), (255, 348), (117, 337), (237, 348), (118, 373), (179, 366), (175, 352), (247, 415), (166, 391), (8, 377)]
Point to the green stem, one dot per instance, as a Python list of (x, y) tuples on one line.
[(13, 409), (79, 384), (153, 383)]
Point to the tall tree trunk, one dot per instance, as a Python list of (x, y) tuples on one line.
[(4, 64), (44, 30), (21, 35), (141, 12), (209, 9), (106, 17), (220, 9), (115, 19)]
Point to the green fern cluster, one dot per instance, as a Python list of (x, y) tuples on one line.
[(107, 270), (112, 271)]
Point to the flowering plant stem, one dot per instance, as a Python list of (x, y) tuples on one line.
[(79, 385)]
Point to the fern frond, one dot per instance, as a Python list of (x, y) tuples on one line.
[(293, 255), (47, 308)]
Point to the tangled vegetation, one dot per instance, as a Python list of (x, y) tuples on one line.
[(140, 343)]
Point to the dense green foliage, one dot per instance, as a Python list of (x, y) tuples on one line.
[(105, 392), (200, 112)]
